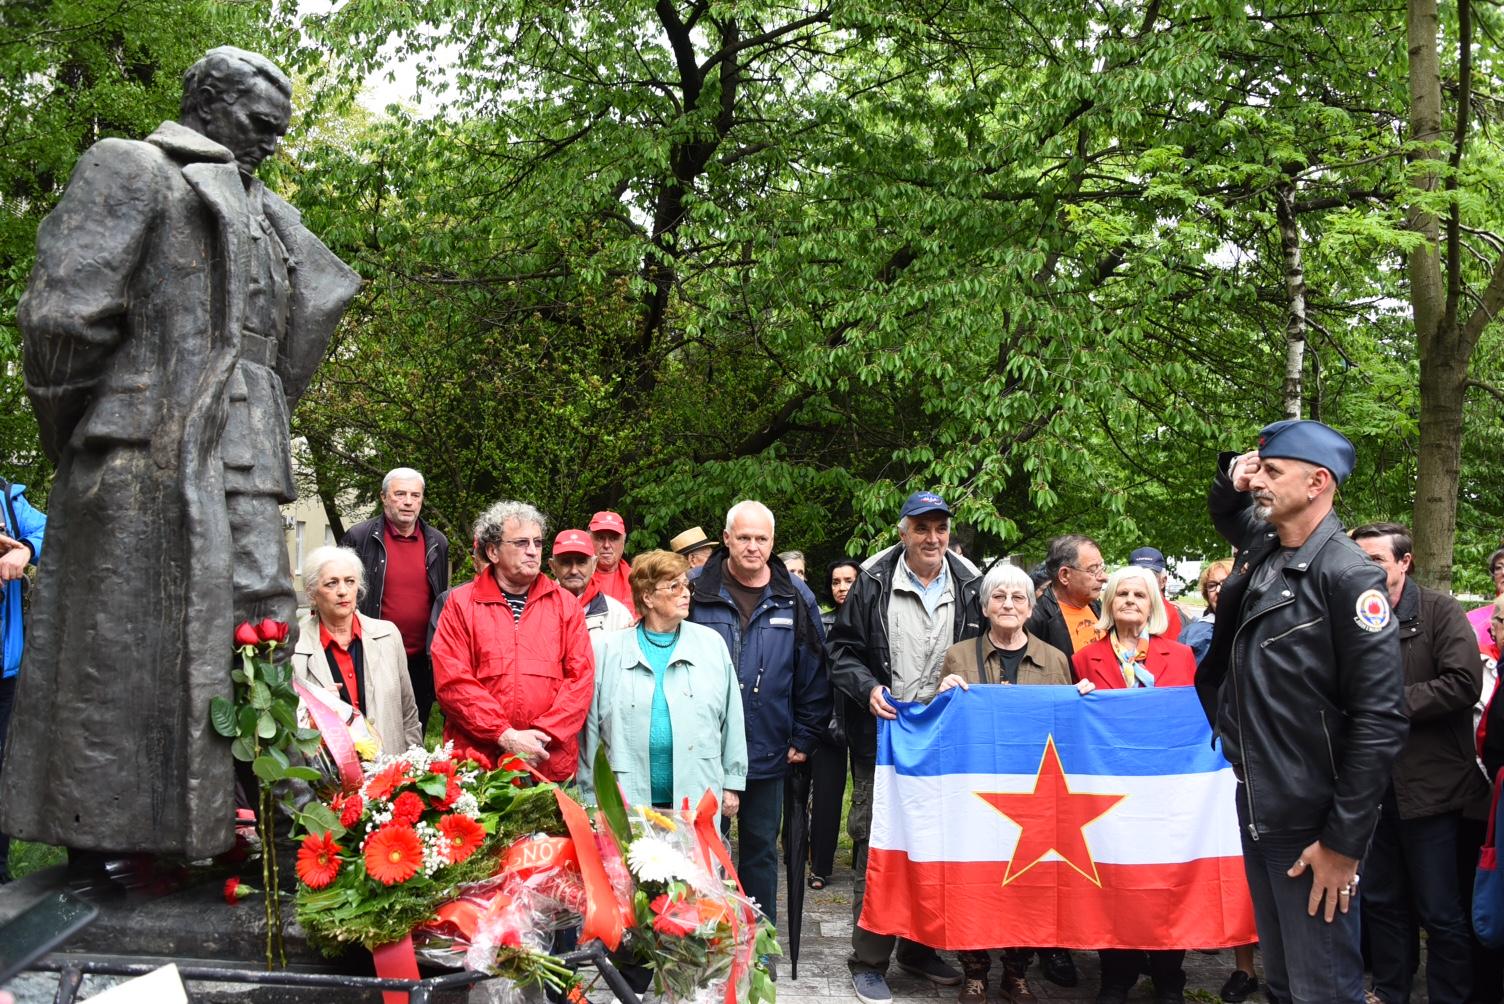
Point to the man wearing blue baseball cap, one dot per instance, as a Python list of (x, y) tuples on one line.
[(1302, 685), (909, 604)]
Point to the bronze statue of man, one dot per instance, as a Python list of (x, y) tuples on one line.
[(176, 313)]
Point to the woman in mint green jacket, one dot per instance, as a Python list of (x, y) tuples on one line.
[(667, 707)]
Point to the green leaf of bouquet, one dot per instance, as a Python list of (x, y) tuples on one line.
[(266, 727), (302, 774), (261, 696), (286, 716), (308, 747), (318, 818), (434, 785), (222, 717), (268, 769), (241, 749), (279, 756), (246, 722), (306, 735), (608, 798)]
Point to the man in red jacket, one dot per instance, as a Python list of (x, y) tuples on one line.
[(512, 663)]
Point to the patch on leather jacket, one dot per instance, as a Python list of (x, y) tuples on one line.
[(1373, 611)]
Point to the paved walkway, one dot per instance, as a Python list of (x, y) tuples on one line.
[(826, 942)]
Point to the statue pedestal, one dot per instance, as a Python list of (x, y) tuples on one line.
[(194, 926)]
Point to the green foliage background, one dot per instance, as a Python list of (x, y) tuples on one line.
[(662, 256)]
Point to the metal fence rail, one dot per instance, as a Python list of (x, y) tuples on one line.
[(73, 967)]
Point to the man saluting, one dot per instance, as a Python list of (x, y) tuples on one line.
[(1302, 689)]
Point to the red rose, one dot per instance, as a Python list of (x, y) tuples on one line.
[(245, 635), (272, 630), (408, 807)]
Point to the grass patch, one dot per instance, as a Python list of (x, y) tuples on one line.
[(26, 857)]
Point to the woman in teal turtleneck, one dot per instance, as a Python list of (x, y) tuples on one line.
[(667, 708)]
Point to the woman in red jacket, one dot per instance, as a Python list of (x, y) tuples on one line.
[(1133, 653)]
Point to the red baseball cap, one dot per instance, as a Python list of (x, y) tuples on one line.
[(574, 542), (608, 521)]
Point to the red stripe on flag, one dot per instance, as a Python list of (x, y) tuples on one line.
[(964, 905)]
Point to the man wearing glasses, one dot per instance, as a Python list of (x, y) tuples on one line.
[(770, 622), (1067, 611), (512, 662)]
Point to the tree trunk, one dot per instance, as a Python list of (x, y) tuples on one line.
[(1434, 517), (1295, 288)]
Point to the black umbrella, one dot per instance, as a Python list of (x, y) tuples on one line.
[(795, 852)]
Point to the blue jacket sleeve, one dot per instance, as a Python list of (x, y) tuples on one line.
[(812, 698), (32, 522)]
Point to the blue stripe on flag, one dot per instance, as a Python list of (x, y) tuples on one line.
[(1002, 730)]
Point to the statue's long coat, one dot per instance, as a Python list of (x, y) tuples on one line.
[(132, 324)]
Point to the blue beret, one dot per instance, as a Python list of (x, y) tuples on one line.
[(1313, 442)]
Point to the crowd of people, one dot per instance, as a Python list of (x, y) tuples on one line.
[(1355, 705), (710, 664)]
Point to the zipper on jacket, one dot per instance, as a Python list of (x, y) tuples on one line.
[(757, 683), (1237, 701), (1330, 759), (1285, 634)]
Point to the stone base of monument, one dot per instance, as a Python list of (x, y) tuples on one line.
[(194, 927)]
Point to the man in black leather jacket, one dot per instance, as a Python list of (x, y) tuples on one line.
[(1303, 687)]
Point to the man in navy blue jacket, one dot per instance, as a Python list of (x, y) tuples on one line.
[(20, 545), (771, 624)]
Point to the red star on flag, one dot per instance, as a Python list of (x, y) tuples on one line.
[(1051, 818)]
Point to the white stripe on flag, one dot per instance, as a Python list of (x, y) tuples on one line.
[(1165, 818)]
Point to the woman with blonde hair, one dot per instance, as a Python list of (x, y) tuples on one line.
[(667, 707), (1132, 651), (1198, 633)]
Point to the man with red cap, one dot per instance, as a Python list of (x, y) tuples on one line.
[(608, 532), (573, 565)]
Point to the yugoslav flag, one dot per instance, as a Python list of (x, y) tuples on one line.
[(1016, 817)]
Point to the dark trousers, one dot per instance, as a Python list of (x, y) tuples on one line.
[(7, 701), (827, 792), (1121, 969), (1404, 876), (976, 965), (420, 671), (1306, 959), (757, 824), (871, 951)]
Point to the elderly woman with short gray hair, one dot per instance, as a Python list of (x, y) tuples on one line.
[(1003, 654), (358, 658)]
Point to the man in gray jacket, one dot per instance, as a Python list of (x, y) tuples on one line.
[(909, 604)]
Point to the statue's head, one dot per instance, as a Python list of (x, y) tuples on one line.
[(239, 99)]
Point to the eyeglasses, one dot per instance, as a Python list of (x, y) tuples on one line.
[(1017, 599), (672, 588), (1214, 587), (1095, 570), (526, 543)]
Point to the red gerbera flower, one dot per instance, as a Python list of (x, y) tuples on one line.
[(460, 837), (354, 808), (408, 808), (387, 781), (393, 854), (318, 860)]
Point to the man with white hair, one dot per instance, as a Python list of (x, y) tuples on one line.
[(770, 622), (407, 566), (910, 603), (512, 663)]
